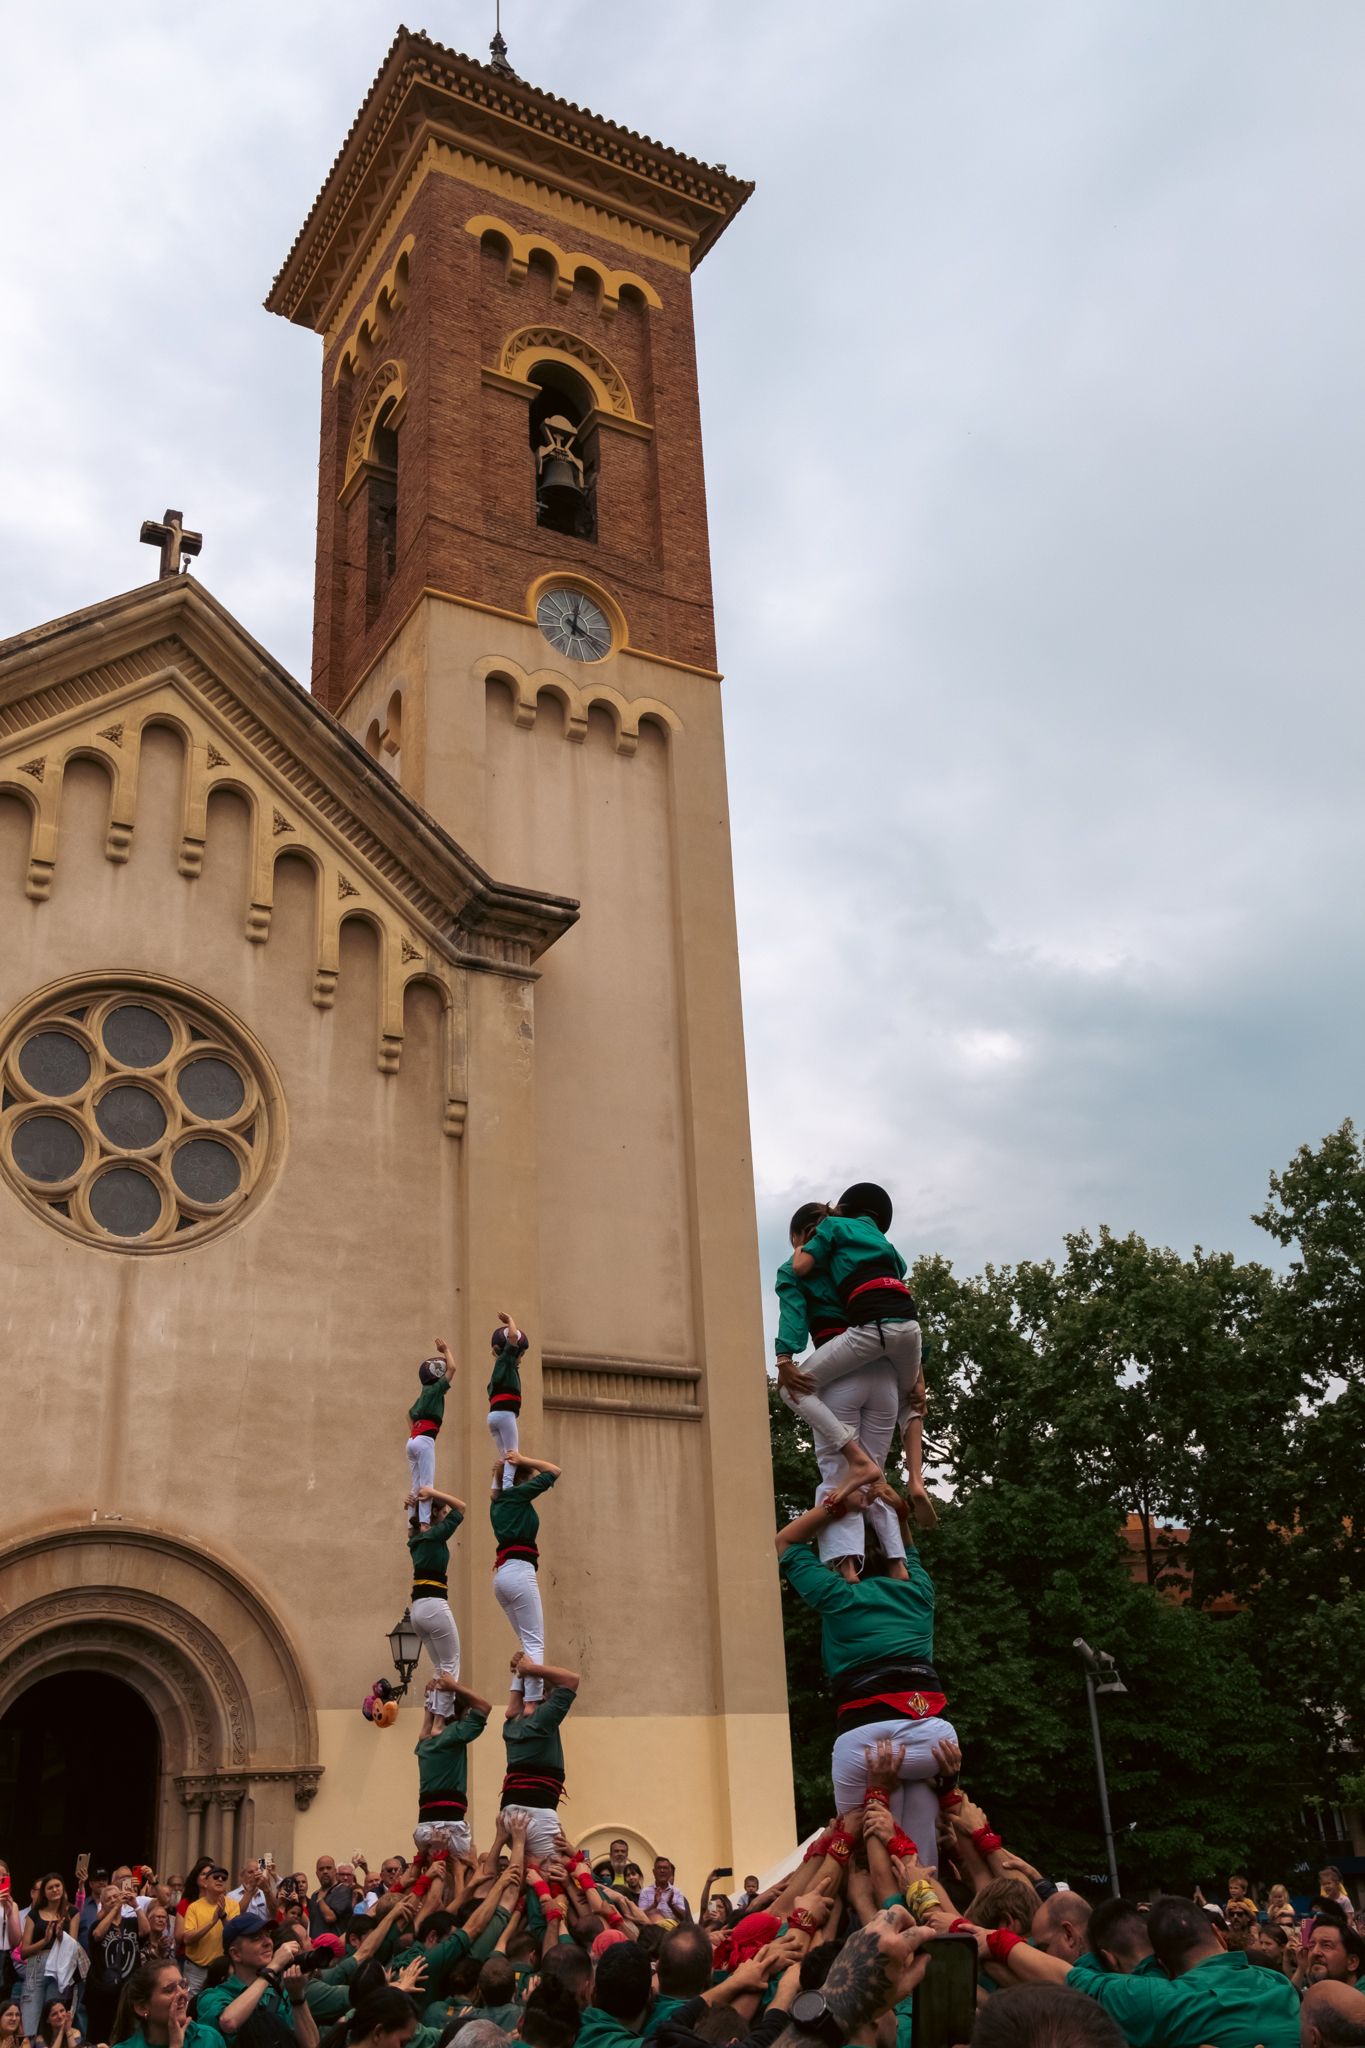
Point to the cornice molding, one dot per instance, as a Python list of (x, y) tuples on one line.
[(424, 90)]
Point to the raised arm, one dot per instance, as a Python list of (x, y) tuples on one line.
[(551, 1673), (445, 1500), (531, 1464)]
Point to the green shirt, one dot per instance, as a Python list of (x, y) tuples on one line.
[(506, 1377), (430, 1405), (841, 1244), (510, 1511), (660, 2013), (533, 1742), (878, 1621), (801, 1303), (443, 1760), (430, 1547), (1224, 2001), (598, 2029), (215, 1999), (197, 2035)]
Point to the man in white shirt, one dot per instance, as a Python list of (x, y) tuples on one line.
[(256, 1892), (663, 1895)]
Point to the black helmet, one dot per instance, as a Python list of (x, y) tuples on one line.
[(865, 1198)]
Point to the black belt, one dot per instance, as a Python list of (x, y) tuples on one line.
[(918, 1675)]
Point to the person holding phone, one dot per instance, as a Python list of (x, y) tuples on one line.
[(877, 1647), (48, 1948)]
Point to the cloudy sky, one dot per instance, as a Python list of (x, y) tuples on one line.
[(1032, 390)]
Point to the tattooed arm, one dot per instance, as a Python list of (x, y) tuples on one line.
[(876, 1968)]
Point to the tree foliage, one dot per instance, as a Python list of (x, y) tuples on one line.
[(1225, 1398)]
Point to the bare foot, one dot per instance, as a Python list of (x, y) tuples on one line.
[(922, 1501), (863, 1470)]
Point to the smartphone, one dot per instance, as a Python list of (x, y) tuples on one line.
[(943, 2003), (727, 1872)]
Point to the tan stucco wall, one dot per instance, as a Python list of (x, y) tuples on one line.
[(249, 1393)]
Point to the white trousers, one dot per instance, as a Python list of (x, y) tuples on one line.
[(435, 1624), (895, 1347), (866, 1399), (502, 1427), (914, 1803), (422, 1471), (542, 1829), (516, 1588), (443, 1834)]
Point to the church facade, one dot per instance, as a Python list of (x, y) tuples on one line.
[(292, 1085)]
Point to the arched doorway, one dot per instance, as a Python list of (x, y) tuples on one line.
[(79, 1769)]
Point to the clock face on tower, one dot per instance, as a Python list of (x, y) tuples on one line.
[(574, 625)]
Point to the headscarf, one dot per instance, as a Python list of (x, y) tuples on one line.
[(746, 1938), (608, 1938)]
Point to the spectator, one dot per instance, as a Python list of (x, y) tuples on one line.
[(331, 1903), (50, 1953), (663, 1896), (632, 1882), (621, 1992), (11, 2024), (58, 2028), (158, 1944), (263, 1998), (1240, 1892), (115, 1951), (255, 1891), (1275, 1946), (1061, 1925), (1333, 2016), (204, 1923), (1332, 1896), (153, 2012), (1335, 1951)]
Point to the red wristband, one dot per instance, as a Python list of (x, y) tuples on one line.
[(949, 1801), (1000, 1941), (902, 1846), (818, 1850), (877, 1795), (960, 1926), (986, 1840), (801, 1919), (839, 1846), (614, 1919)]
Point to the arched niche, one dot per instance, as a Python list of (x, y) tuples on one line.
[(237, 1735)]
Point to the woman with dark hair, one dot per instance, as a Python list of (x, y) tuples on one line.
[(188, 1894), (50, 1953), (58, 2027), (386, 2019), (11, 2024), (11, 1928), (154, 2012)]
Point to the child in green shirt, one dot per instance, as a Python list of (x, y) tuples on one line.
[(425, 1418)]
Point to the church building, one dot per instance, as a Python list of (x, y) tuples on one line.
[(336, 1020)]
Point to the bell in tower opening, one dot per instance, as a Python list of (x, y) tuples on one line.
[(566, 474)]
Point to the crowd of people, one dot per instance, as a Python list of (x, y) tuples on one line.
[(906, 1923)]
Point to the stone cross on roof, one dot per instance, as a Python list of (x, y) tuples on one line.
[(170, 536)]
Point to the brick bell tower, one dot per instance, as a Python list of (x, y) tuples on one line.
[(513, 614)]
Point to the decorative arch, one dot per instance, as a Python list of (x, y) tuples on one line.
[(528, 686), (389, 383), (372, 328), (238, 1736), (567, 265), (531, 345)]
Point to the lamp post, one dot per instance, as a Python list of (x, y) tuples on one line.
[(405, 1647), (1101, 1676)]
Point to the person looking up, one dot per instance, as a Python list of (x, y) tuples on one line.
[(154, 2012)]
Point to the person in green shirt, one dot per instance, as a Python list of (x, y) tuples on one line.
[(847, 1244), (533, 1784), (516, 1564), (425, 1417), (443, 1771), (265, 1988), (510, 1346), (1209, 1996), (429, 1601), (154, 2012), (877, 1648), (847, 1402)]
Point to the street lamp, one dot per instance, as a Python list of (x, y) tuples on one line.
[(1101, 1676), (405, 1647)]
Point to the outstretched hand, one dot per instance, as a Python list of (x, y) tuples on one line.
[(884, 1759)]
